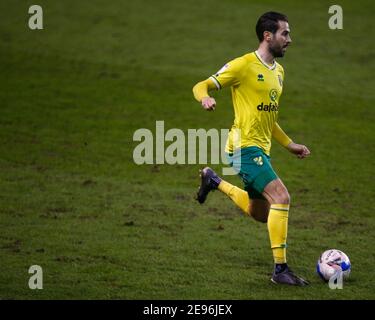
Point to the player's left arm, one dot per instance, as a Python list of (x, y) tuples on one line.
[(281, 137)]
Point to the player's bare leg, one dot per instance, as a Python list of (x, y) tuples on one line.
[(259, 209), (273, 210), (277, 195), (276, 192)]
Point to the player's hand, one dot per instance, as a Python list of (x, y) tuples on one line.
[(298, 149), (208, 103)]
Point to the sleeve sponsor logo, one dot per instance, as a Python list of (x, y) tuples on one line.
[(225, 67), (280, 80)]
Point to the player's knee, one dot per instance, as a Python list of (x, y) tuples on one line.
[(285, 197), (276, 193), (281, 197)]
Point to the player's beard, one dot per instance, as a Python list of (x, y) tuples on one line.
[(276, 50)]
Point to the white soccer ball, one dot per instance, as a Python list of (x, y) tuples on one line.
[(331, 262)]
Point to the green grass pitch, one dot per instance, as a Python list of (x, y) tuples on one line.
[(73, 201)]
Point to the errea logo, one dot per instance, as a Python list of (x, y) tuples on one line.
[(260, 77)]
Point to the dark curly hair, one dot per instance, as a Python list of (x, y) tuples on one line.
[(269, 22)]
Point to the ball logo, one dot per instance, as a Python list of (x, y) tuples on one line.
[(334, 267), (273, 94)]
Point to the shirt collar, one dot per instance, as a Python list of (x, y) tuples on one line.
[(273, 66)]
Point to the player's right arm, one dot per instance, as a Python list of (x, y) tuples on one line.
[(229, 75), (200, 91)]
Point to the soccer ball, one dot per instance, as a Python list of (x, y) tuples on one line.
[(332, 261)]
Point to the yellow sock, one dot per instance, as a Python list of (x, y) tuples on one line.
[(278, 229), (239, 197)]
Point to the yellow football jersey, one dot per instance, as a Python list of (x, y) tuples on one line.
[(256, 89)]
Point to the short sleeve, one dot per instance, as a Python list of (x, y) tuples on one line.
[(230, 74)]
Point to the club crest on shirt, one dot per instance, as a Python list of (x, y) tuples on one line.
[(273, 94)]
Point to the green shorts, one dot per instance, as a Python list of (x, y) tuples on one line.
[(255, 169)]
